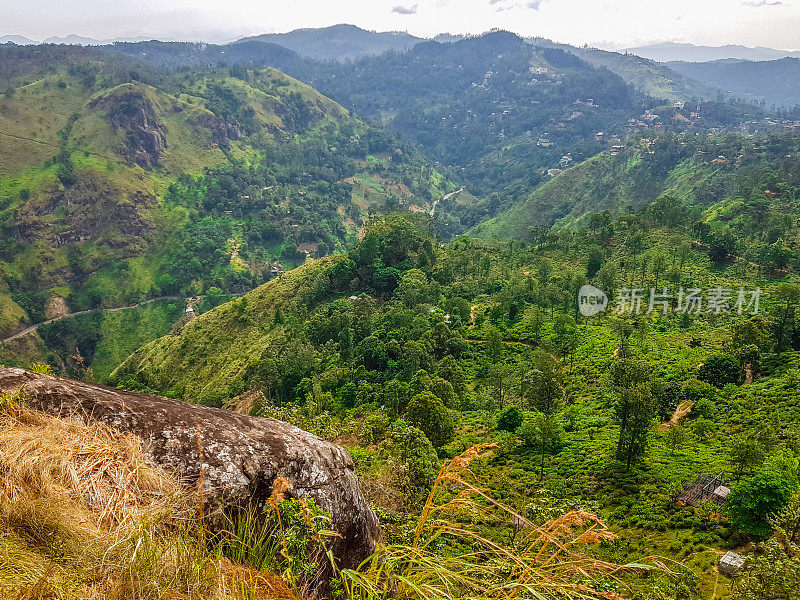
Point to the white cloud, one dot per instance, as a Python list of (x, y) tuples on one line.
[(405, 10)]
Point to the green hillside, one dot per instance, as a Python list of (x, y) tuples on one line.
[(120, 182), (479, 342), (698, 169)]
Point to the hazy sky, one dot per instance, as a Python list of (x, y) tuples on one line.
[(608, 23)]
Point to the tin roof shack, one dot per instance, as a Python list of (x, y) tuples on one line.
[(706, 488), (731, 563)]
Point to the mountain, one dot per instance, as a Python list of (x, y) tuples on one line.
[(772, 82), (645, 75), (74, 40), (697, 169), (123, 183), (496, 110), (183, 55), (19, 40), (339, 42), (671, 51)]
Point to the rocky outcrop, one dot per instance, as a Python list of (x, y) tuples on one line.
[(130, 110), (239, 456)]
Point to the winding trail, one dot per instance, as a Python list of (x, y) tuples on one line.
[(36, 326), (445, 197)]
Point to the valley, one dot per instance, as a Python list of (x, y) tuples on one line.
[(340, 280)]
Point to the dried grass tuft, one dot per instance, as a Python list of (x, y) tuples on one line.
[(46, 457)]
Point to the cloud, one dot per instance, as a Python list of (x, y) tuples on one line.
[(534, 4), (760, 3), (405, 10)]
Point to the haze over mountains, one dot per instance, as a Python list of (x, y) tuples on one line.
[(671, 51), (671, 71)]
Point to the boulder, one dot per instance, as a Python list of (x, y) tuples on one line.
[(240, 456)]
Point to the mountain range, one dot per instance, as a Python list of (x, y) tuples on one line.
[(672, 51)]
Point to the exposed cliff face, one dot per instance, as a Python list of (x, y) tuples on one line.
[(87, 210), (130, 111), (239, 456)]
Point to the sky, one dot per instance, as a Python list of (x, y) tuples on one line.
[(611, 24)]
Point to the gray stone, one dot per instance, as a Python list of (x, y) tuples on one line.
[(241, 455)]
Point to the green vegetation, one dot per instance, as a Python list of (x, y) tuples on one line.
[(486, 336), (122, 183)]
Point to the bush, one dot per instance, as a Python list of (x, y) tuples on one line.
[(510, 419), (753, 501), (374, 428), (721, 369), (414, 460)]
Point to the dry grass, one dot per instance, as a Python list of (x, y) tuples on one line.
[(48, 458), (549, 561), (83, 516)]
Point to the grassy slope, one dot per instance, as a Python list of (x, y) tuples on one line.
[(212, 353), (114, 212), (215, 349)]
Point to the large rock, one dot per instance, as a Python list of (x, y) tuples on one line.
[(241, 455)]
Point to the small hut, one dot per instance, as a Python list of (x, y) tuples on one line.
[(731, 563), (706, 488)]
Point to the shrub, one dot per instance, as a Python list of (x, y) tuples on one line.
[(510, 419), (414, 460), (721, 369), (755, 499)]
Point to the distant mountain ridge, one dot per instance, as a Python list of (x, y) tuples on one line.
[(339, 42), (771, 82), (672, 51)]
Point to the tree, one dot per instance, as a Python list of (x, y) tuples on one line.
[(748, 449), (494, 345), (676, 437), (721, 369), (541, 391), (635, 410), (787, 521), (510, 419), (754, 500), (414, 460), (542, 432), (429, 413)]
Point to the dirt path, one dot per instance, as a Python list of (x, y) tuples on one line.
[(684, 408), (445, 197), (32, 328), (472, 315)]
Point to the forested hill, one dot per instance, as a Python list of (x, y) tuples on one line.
[(773, 83), (495, 109), (403, 350), (339, 42), (727, 172), (121, 182)]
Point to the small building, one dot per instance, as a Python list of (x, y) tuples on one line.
[(278, 270), (190, 312), (706, 488), (731, 563), (553, 172)]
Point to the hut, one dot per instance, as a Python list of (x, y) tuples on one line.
[(731, 563), (706, 488)]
